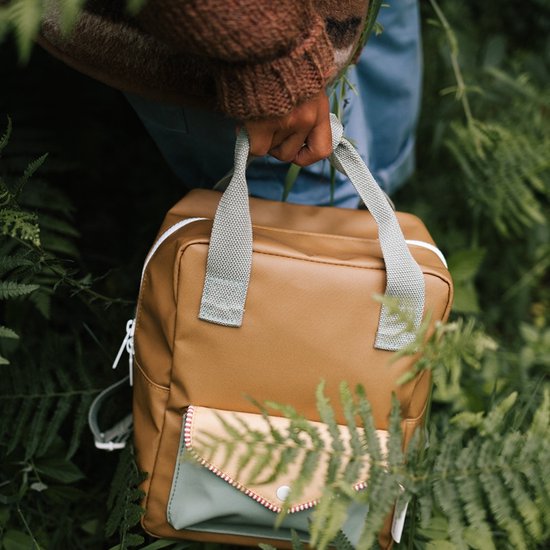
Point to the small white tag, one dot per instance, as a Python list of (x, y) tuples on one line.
[(399, 519)]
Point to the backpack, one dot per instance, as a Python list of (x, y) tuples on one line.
[(243, 297)]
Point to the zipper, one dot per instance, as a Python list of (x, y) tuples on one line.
[(128, 341), (431, 247), (170, 231), (188, 444), (128, 345)]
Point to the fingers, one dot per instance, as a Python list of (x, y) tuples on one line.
[(318, 145), (303, 136), (261, 138), (290, 147)]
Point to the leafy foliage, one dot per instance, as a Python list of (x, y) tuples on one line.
[(123, 501), (36, 403), (514, 165), (46, 388), (477, 473)]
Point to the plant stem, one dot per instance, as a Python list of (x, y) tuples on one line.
[(461, 88), (27, 528)]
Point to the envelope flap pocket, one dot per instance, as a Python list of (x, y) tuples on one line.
[(248, 451)]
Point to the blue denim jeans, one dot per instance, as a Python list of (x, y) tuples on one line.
[(379, 117)]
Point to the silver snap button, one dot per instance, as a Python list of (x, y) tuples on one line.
[(283, 492)]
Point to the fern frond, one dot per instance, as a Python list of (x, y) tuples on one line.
[(30, 170), (6, 332), (502, 511), (11, 289), (69, 11), (20, 224), (447, 498), (296, 542), (40, 420), (123, 501), (328, 518), (521, 494), (10, 263), (504, 179), (472, 499), (37, 403), (384, 483), (326, 412), (494, 420), (25, 17)]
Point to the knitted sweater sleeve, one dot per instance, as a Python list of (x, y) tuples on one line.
[(267, 56)]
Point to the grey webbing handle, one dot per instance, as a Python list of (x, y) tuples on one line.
[(230, 251)]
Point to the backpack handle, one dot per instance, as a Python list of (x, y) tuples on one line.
[(230, 251)]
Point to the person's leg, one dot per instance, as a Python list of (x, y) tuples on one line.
[(382, 120), (197, 144)]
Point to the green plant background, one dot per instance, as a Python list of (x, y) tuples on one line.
[(66, 289)]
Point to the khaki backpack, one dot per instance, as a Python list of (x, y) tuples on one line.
[(251, 298)]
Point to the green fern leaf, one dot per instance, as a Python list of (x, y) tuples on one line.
[(446, 497), (497, 496), (42, 299), (39, 423), (10, 263), (472, 500), (20, 225), (326, 413), (308, 467), (523, 501), (11, 289), (21, 421), (493, 422), (80, 421), (124, 510), (356, 442), (36, 403), (25, 16), (52, 427), (367, 422), (510, 164), (341, 542), (329, 516), (6, 332), (70, 10), (30, 170)]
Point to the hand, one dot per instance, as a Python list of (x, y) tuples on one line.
[(302, 137)]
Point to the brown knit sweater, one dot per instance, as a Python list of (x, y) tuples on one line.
[(246, 58)]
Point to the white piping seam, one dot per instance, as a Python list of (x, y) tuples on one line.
[(182, 223), (429, 246), (228, 479), (170, 231)]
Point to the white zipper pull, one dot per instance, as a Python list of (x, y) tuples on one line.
[(130, 330), (128, 345)]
